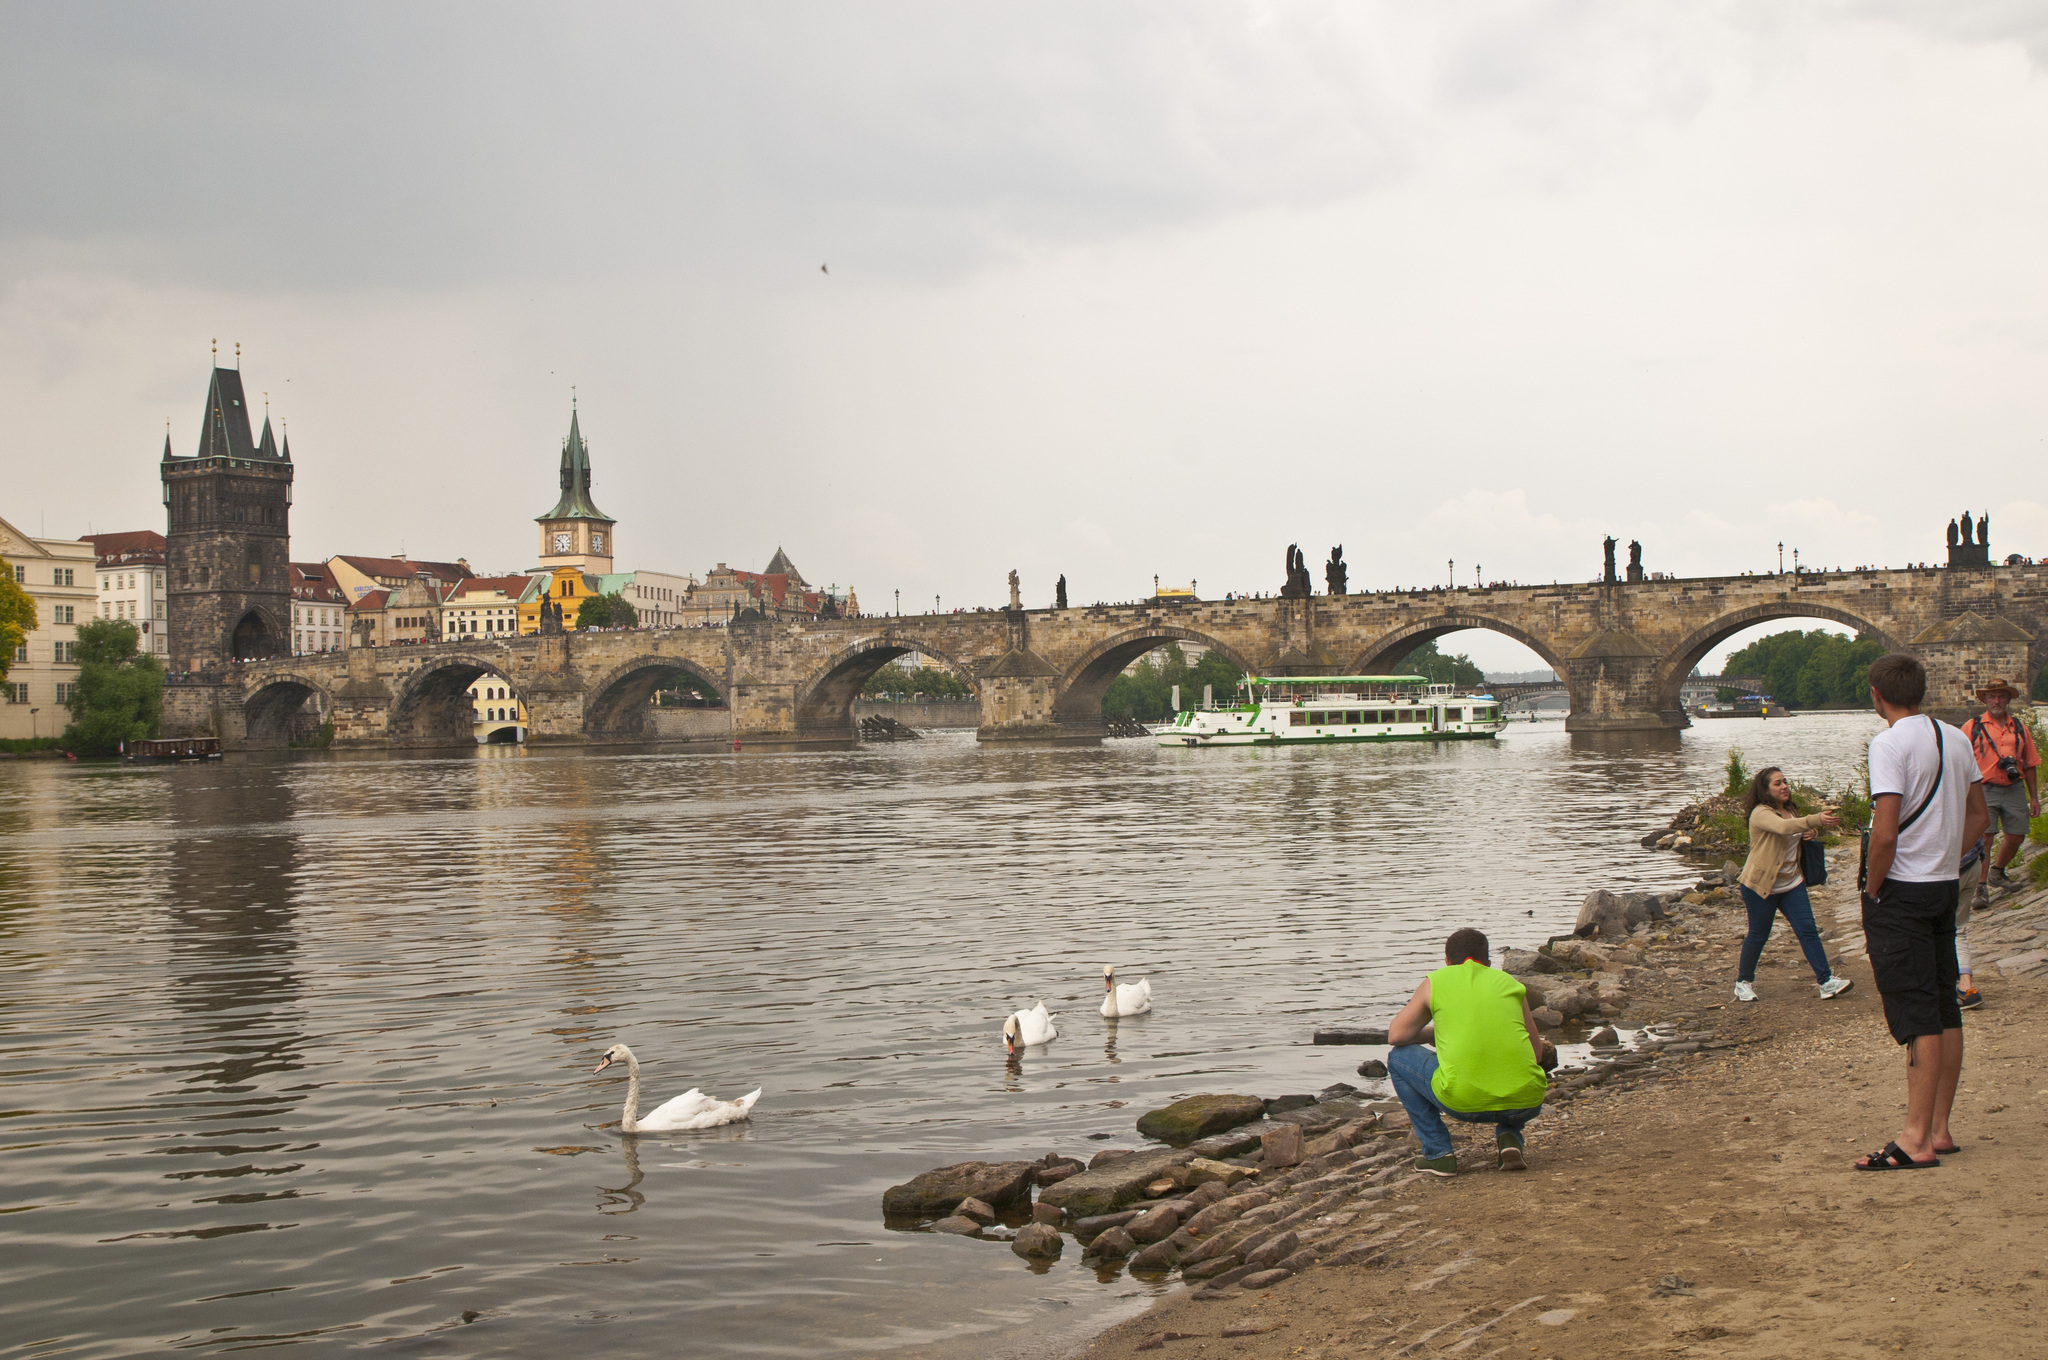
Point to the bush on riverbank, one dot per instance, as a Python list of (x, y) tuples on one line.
[(22, 746)]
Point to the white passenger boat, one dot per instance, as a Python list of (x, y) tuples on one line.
[(1339, 708)]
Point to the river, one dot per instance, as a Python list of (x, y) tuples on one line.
[(298, 1047)]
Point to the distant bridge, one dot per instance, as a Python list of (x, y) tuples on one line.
[(1531, 694), (1625, 652)]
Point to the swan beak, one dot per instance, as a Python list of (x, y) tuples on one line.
[(602, 1063)]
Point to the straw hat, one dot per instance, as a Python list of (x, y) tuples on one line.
[(1996, 685)]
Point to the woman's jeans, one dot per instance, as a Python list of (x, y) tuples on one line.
[(1763, 913), (1412, 1066)]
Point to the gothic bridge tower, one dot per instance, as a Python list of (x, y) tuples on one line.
[(576, 533), (228, 537)]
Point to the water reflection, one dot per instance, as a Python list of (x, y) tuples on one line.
[(627, 1197)]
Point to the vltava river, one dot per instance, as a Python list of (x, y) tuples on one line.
[(298, 1048)]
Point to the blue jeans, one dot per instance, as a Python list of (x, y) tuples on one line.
[(1763, 914), (1412, 1066)]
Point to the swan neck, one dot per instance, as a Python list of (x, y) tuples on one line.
[(631, 1121)]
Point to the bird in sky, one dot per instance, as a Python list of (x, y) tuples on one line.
[(823, 270)]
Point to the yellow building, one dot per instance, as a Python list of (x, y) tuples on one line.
[(500, 716), (58, 575), (565, 586)]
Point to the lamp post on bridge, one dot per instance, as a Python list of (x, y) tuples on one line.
[(1451, 565), (1781, 557), (899, 602)]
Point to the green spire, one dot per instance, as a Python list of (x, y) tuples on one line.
[(575, 502)]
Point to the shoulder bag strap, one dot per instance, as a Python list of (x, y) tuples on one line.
[(1940, 765)]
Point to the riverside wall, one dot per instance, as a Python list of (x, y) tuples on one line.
[(922, 713)]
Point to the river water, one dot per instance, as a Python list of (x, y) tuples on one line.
[(297, 1048)]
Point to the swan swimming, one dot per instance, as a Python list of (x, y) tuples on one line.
[(1124, 998), (1026, 1028), (690, 1110)]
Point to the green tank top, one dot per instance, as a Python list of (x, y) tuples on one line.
[(1484, 1061)]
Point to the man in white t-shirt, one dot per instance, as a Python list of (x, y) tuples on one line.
[(1927, 802)]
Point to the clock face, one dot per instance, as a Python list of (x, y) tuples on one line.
[(562, 542), (597, 542)]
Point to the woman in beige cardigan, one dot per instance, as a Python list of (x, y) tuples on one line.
[(1772, 881)]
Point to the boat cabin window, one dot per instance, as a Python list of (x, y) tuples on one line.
[(1297, 719), (1353, 718), (1454, 715)]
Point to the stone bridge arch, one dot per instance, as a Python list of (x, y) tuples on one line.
[(1673, 671), (273, 712), (432, 706), (1078, 702), (616, 709), (825, 697), (1385, 652)]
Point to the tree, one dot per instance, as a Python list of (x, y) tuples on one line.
[(17, 616), (934, 682), (1146, 693), (120, 691), (607, 611), (1456, 670), (1811, 670)]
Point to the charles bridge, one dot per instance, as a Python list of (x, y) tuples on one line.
[(1624, 651)]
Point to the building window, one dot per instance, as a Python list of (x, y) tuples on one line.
[(21, 575), (15, 692), (61, 576), (64, 693), (66, 653), (63, 613)]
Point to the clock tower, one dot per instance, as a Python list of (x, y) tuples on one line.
[(576, 533)]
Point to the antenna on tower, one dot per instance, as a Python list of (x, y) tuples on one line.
[(216, 351), (238, 356)]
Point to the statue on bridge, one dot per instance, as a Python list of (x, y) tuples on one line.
[(550, 615), (1059, 594), (1607, 571), (1336, 575), (1984, 530), (1298, 586), (1953, 539), (1966, 528), (1016, 600), (1635, 560)]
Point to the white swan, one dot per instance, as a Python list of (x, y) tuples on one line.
[(690, 1110), (1026, 1028), (1124, 998)]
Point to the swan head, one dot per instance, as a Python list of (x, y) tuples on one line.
[(1013, 1035), (1108, 977), (616, 1053)]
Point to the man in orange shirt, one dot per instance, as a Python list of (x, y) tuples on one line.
[(2007, 758)]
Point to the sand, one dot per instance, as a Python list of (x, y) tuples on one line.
[(1715, 1211)]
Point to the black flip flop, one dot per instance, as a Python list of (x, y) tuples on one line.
[(1895, 1158), (1948, 1152)]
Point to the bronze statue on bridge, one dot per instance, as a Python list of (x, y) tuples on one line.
[(1299, 586), (1336, 575), (1059, 594)]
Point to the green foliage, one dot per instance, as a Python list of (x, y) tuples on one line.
[(1809, 670), (320, 740), (1738, 779), (2040, 683), (1725, 695), (120, 691), (678, 689), (21, 746), (934, 682), (1147, 692), (17, 616), (2037, 871), (1733, 825), (606, 611), (2037, 830), (1456, 670)]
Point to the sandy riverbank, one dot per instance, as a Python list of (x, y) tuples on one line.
[(1712, 1211)]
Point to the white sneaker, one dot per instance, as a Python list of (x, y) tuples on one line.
[(1834, 987), (1744, 992)]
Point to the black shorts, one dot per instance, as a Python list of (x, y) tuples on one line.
[(1911, 932)]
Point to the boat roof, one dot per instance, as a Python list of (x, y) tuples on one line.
[(1337, 680)]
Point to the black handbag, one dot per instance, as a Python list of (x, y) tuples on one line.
[(1813, 863), (1863, 861)]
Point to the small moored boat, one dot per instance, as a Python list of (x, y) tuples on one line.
[(1339, 708), (157, 749)]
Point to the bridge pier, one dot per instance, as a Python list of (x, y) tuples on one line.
[(1612, 678)]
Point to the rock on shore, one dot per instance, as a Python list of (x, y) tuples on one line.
[(940, 1191), (1184, 1121)]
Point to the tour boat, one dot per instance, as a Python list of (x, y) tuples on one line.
[(171, 748), (1339, 708)]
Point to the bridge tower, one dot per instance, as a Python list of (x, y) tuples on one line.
[(227, 538), (576, 533)]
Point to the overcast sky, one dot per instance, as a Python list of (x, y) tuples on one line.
[(1113, 290)]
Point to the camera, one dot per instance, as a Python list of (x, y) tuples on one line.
[(2010, 768)]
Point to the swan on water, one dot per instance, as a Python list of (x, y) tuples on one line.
[(690, 1110), (1026, 1028), (1124, 998)]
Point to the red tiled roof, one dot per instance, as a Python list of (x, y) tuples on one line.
[(375, 567), (374, 600), (513, 586), (135, 546), (312, 581)]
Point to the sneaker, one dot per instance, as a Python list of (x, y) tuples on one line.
[(1744, 992), (1507, 1149), (1446, 1165), (1980, 898), (1969, 1000), (1834, 987), (1998, 878)]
